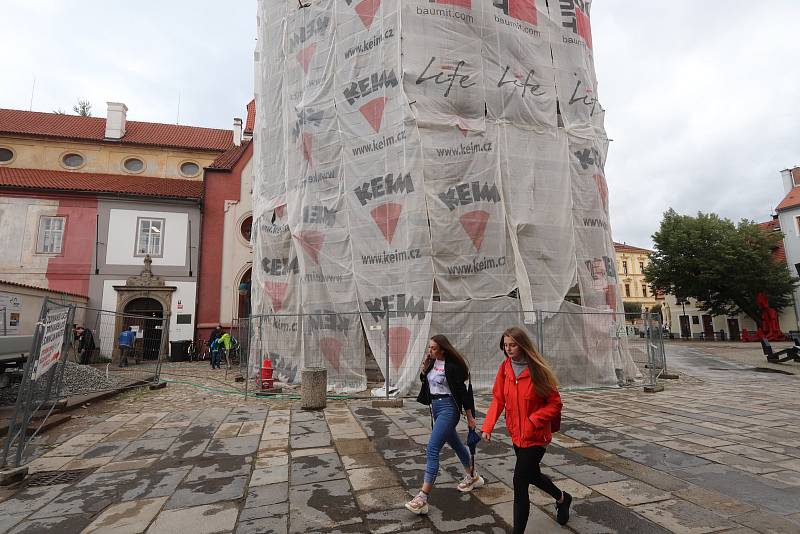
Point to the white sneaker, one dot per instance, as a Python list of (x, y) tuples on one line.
[(417, 505), (469, 483)]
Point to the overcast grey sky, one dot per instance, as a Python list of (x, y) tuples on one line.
[(702, 96)]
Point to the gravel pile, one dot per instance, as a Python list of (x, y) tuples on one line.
[(78, 380)]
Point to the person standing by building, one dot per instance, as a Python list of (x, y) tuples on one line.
[(226, 343), (443, 374), (85, 345), (527, 389), (125, 341), (211, 345)]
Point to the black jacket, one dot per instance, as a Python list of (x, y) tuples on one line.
[(455, 381)]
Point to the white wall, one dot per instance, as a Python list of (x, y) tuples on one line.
[(183, 296), (236, 252), (122, 232)]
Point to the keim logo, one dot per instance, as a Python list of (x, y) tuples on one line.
[(575, 17), (279, 266), (365, 10), (306, 117), (474, 222), (372, 110), (524, 10), (316, 27), (387, 214), (331, 348), (277, 293)]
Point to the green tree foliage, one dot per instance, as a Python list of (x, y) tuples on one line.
[(720, 264), (633, 310)]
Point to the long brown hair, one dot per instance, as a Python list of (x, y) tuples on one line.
[(451, 352), (544, 380)]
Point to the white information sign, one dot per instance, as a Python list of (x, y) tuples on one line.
[(55, 324)]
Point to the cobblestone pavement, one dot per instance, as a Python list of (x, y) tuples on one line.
[(718, 451)]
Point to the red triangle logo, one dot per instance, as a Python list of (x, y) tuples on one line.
[(311, 241), (280, 211), (331, 348), (373, 112), (602, 188), (277, 293), (462, 126), (474, 223), (305, 55), (385, 217), (306, 145), (523, 10), (398, 344), (366, 11), (584, 26)]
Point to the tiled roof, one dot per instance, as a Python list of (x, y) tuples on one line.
[(28, 286), (54, 125), (622, 247), (779, 252), (228, 160), (251, 117), (791, 200), (146, 186)]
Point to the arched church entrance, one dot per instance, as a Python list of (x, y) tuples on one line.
[(146, 315)]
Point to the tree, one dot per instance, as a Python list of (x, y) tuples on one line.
[(633, 310), (656, 309), (83, 108), (720, 264)]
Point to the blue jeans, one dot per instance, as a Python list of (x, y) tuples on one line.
[(215, 357), (445, 419)]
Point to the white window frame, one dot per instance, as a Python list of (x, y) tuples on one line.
[(50, 240), (147, 248)]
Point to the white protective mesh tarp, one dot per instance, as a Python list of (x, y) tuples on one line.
[(425, 150)]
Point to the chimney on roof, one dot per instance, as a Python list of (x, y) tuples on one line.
[(116, 117), (237, 131)]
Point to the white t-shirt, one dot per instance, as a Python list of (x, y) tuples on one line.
[(437, 382)]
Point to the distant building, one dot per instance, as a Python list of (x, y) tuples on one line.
[(788, 220), (631, 263), (85, 201)]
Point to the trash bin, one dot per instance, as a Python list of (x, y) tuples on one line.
[(179, 350)]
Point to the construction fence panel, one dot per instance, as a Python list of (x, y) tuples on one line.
[(585, 349), (41, 382)]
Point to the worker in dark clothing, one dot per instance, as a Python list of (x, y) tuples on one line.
[(85, 345)]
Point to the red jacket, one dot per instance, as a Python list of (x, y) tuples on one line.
[(528, 415)]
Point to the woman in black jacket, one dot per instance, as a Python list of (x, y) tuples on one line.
[(443, 374)]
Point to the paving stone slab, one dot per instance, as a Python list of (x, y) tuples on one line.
[(207, 491), (351, 447), (275, 525), (395, 520), (602, 516), (71, 523), (30, 499), (132, 517), (106, 448), (387, 498), (741, 462), (222, 467), (265, 512), (652, 455), (648, 475), (321, 505), (261, 496), (232, 446), (300, 453), (315, 426), (576, 489), (320, 468), (538, 521), (126, 465), (714, 501), (784, 478), (590, 475), (492, 494), (272, 461), (631, 492), (767, 523), (745, 487), (310, 440), (228, 430), (363, 460), (184, 449), (681, 516), (371, 478), (156, 433), (8, 521), (453, 511), (147, 448), (207, 519), (270, 475), (586, 433)]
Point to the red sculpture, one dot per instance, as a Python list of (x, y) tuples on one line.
[(770, 327), (746, 336)]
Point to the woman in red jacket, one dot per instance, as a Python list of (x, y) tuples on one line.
[(527, 389)]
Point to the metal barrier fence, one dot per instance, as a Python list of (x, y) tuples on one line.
[(42, 377), (585, 349), (99, 363)]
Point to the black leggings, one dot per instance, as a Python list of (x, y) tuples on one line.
[(527, 472)]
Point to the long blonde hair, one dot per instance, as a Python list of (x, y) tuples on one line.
[(544, 380)]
